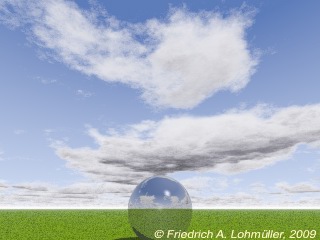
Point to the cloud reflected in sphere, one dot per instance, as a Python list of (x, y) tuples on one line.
[(159, 203)]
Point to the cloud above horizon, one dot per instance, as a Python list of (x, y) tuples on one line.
[(113, 195), (1, 155), (82, 194), (232, 142), (175, 62), (303, 187)]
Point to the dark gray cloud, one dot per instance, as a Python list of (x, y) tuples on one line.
[(33, 187), (232, 142)]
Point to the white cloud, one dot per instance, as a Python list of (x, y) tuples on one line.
[(312, 202), (258, 187), (147, 201), (46, 81), (49, 131), (235, 200), (37, 187), (109, 195), (232, 142), (302, 187), (2, 184), (96, 188), (1, 155), (19, 131), (79, 195), (246, 200), (178, 61), (198, 183), (84, 93)]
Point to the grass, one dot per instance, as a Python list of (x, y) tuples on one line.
[(113, 224), (257, 220), (147, 221), (64, 224)]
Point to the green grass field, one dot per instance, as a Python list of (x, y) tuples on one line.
[(113, 224)]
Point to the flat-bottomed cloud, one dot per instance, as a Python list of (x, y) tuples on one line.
[(233, 142)]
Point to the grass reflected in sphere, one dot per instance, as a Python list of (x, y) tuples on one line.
[(159, 203)]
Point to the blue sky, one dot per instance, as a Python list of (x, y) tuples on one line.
[(221, 95)]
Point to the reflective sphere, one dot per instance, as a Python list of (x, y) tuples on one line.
[(159, 203)]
